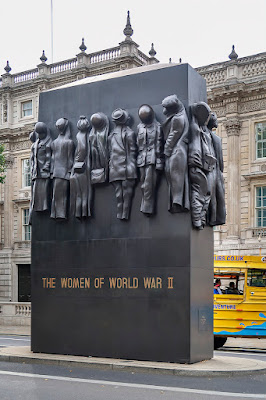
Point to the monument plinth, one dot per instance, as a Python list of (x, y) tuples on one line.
[(124, 284)]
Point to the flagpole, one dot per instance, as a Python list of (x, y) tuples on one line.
[(52, 32)]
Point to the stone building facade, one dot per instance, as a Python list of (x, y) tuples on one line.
[(19, 96), (236, 92)]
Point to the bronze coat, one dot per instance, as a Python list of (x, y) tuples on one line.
[(41, 158), (217, 214), (150, 145), (175, 129), (62, 157), (123, 153)]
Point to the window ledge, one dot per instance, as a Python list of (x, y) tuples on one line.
[(29, 117), (22, 244), (255, 175), (259, 160), (21, 200)]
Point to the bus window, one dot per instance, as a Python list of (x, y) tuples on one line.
[(231, 282), (256, 277)]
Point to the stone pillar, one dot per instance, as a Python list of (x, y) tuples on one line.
[(6, 107), (128, 48), (83, 59), (43, 69), (232, 127), (6, 80), (8, 205)]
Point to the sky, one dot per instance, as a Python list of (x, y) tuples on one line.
[(200, 32)]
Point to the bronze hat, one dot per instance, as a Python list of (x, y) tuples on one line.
[(120, 116)]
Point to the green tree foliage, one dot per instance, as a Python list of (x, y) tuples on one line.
[(2, 164)]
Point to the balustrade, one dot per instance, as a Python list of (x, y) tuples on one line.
[(63, 66), (105, 55), (214, 77), (254, 69), (24, 310), (143, 57), (25, 76), (259, 231), (14, 313), (71, 64)]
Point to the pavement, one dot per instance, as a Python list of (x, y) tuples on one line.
[(217, 366)]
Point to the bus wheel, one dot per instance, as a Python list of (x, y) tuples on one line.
[(219, 341)]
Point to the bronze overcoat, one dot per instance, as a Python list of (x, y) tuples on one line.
[(123, 153), (176, 130)]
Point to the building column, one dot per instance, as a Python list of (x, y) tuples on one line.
[(8, 204), (232, 127)]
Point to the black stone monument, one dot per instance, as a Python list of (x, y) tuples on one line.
[(135, 289)]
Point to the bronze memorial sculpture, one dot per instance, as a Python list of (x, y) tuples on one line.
[(150, 158), (33, 138), (99, 147), (80, 179), (40, 168), (122, 162), (193, 164), (202, 162), (176, 129), (216, 213), (61, 167), (119, 284)]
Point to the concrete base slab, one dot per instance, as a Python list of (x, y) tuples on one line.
[(217, 366)]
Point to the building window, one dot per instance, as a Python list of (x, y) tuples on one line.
[(261, 206), (26, 228), (24, 282), (260, 129), (26, 174), (26, 108)]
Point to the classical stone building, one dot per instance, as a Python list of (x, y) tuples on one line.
[(236, 91)]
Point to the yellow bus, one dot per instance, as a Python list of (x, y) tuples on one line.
[(239, 306)]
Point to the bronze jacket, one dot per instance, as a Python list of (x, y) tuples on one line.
[(123, 152), (150, 145), (62, 157), (41, 158)]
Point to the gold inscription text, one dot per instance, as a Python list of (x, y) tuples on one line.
[(75, 283), (48, 283), (152, 282), (98, 282), (170, 282), (124, 283)]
